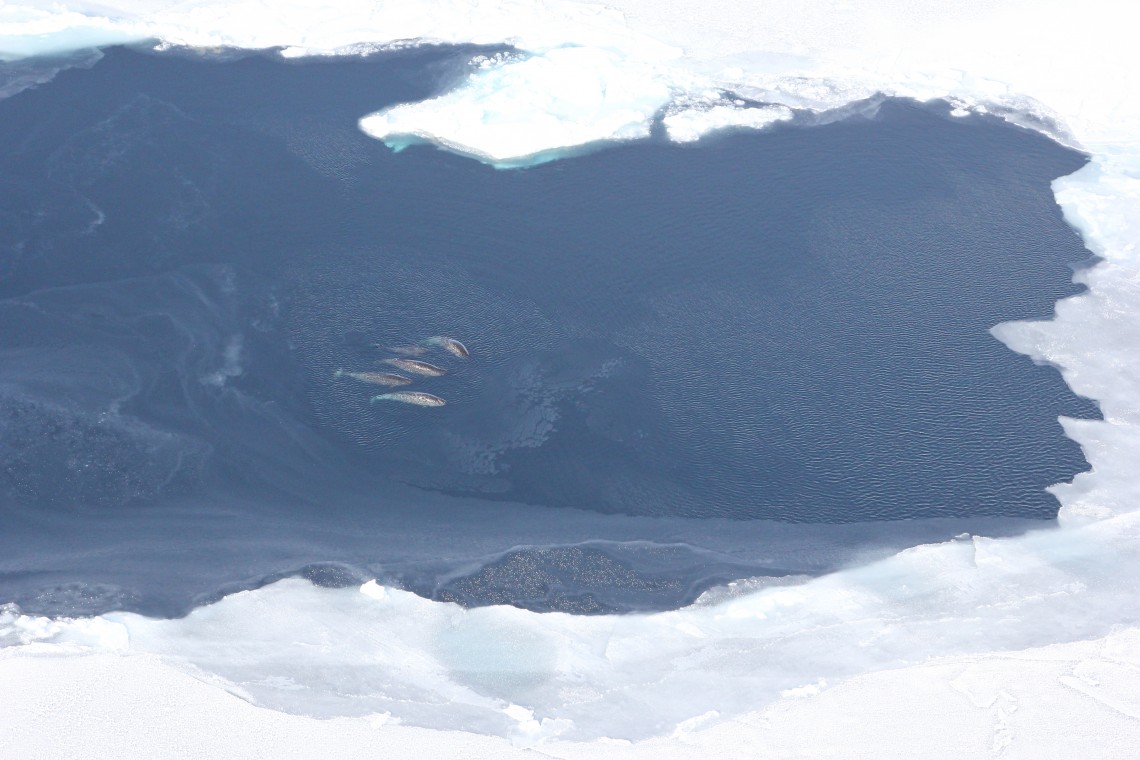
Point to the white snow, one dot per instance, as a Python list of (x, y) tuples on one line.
[(689, 124), (1061, 701), (1035, 640), (522, 108)]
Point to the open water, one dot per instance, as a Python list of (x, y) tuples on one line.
[(762, 355)]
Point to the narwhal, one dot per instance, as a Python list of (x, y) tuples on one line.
[(376, 378), (450, 345), (419, 398), (417, 367)]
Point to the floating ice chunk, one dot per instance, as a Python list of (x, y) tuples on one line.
[(374, 590), (524, 111), (691, 124)]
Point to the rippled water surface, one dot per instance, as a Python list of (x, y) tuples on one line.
[(675, 351)]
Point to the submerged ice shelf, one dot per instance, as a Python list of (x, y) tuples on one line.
[(969, 601)]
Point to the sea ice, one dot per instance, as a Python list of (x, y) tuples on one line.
[(1036, 638)]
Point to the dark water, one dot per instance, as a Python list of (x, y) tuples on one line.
[(789, 326)]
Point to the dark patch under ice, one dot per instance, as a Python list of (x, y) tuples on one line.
[(677, 351)]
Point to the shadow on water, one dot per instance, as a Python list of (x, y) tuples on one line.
[(764, 355)]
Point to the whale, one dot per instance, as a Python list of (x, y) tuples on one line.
[(417, 367), (451, 345), (411, 397), (376, 378)]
